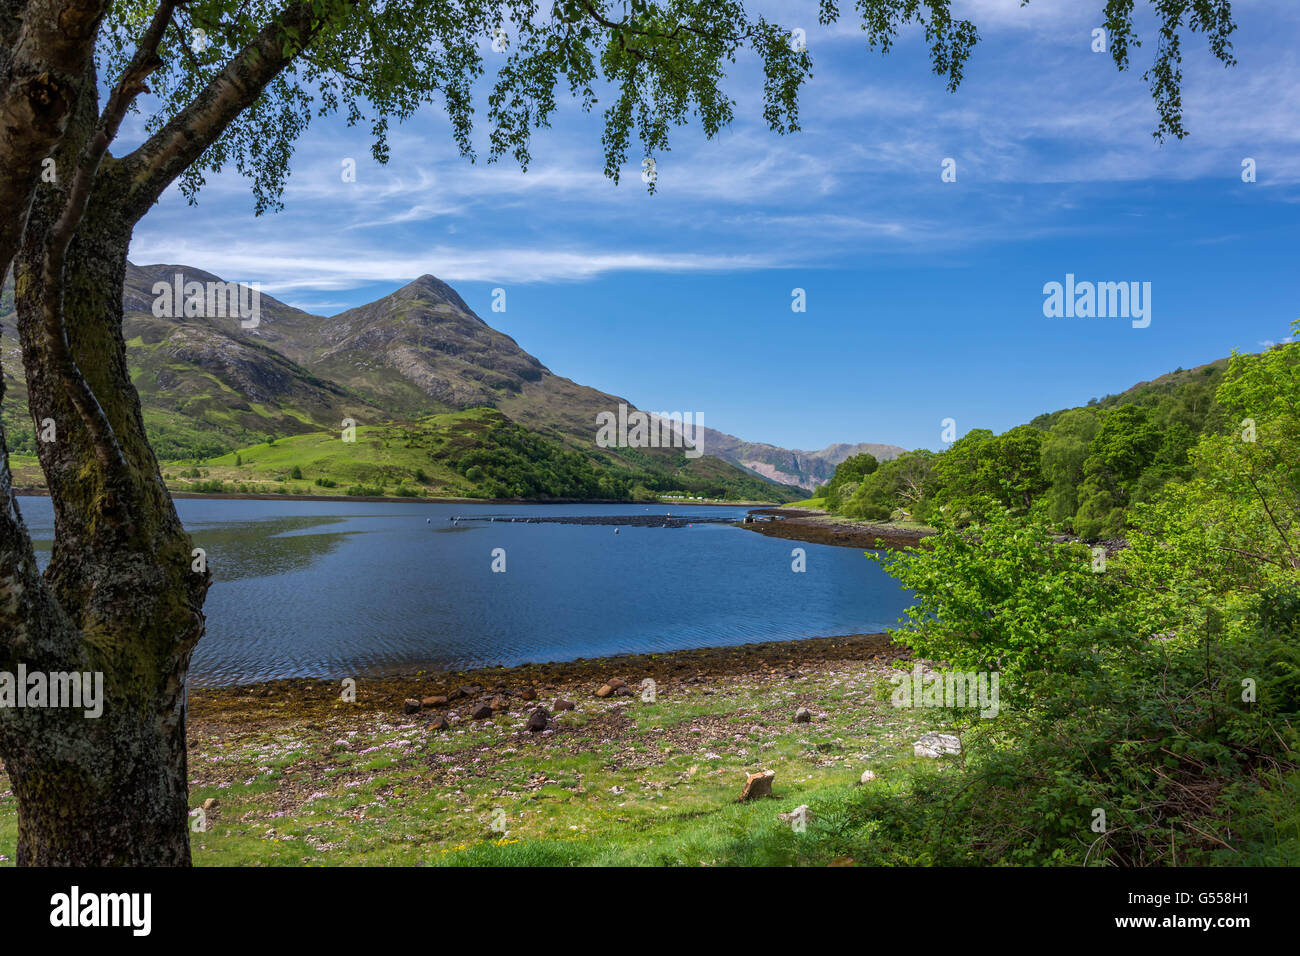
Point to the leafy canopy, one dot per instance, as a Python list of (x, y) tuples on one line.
[(653, 64)]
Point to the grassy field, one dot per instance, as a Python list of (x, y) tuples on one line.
[(811, 504), (477, 453), (302, 778)]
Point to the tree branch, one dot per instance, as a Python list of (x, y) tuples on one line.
[(168, 153), (47, 44)]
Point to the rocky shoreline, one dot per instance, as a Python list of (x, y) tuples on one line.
[(461, 694), (558, 764), (798, 524)]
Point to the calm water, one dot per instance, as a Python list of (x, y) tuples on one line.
[(338, 589)]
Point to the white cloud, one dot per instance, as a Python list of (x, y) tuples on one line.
[(288, 266)]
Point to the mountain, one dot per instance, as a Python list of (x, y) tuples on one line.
[(804, 469), (209, 387)]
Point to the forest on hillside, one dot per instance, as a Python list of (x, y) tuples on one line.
[(1151, 695), (1084, 467)]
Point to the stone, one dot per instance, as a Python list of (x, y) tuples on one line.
[(604, 691), (561, 704), (803, 715), (498, 703), (410, 705), (211, 804), (800, 812), (528, 694), (616, 682), (437, 700), (623, 691), (538, 720), (482, 712), (867, 776), (936, 745), (439, 723), (758, 785)]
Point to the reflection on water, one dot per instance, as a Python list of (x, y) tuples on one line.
[(272, 547), (338, 589)]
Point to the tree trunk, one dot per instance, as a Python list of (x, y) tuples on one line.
[(44, 48), (119, 596)]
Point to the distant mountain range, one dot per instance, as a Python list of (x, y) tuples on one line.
[(209, 387)]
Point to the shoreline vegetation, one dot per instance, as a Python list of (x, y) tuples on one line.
[(819, 527), (287, 772)]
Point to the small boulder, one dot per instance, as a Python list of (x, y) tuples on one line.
[(528, 694), (439, 723), (623, 691), (410, 706), (803, 716), (437, 700), (800, 812), (604, 691), (867, 776), (211, 804), (758, 785), (482, 712), (538, 720), (936, 745), (616, 682), (498, 703), (561, 704)]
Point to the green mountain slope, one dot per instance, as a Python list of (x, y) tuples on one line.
[(473, 454), (210, 388)]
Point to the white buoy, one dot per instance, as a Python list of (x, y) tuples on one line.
[(616, 531)]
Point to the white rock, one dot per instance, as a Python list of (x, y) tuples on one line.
[(868, 776), (799, 813), (936, 745)]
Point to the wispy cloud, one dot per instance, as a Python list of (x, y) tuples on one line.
[(1041, 129)]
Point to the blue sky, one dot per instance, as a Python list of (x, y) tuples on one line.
[(924, 298)]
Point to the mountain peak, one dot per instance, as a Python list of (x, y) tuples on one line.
[(431, 287)]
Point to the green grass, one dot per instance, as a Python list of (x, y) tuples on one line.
[(816, 504), (625, 783), (402, 460)]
